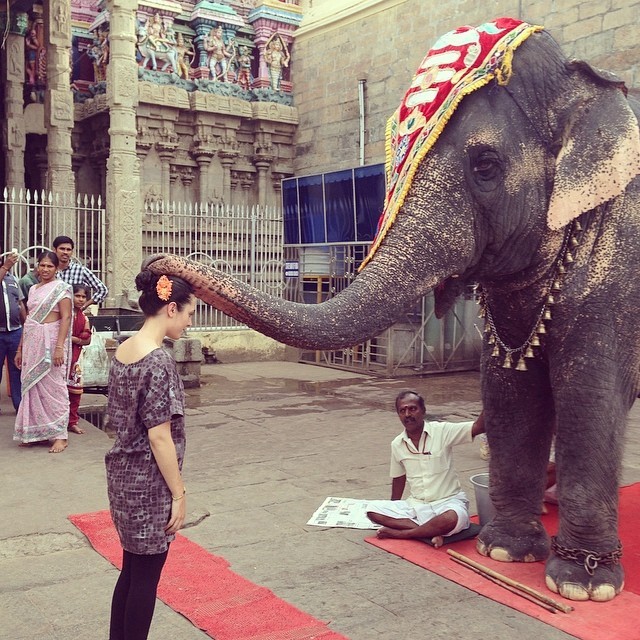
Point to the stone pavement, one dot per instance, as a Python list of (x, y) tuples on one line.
[(267, 443)]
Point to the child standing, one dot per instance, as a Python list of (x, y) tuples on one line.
[(80, 337)]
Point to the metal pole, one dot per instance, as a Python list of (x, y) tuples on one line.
[(361, 85)]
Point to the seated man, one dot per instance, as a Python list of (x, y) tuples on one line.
[(421, 454)]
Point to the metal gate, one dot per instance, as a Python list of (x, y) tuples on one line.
[(31, 220)]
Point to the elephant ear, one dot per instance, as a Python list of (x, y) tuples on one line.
[(600, 152)]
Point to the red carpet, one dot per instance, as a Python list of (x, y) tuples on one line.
[(590, 620), (202, 588)]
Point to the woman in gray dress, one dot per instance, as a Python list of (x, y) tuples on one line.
[(144, 479)]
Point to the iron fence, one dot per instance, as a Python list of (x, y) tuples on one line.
[(244, 241), (32, 219)]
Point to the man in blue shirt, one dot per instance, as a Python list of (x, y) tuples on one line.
[(12, 316), (75, 273)]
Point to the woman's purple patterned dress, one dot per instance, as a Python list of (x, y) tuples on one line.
[(142, 395)]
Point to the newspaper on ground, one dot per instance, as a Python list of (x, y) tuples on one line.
[(343, 512)]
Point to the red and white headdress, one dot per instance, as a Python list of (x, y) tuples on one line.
[(458, 63)]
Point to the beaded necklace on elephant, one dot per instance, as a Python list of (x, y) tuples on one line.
[(565, 258)]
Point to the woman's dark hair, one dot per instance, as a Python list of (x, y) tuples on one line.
[(82, 287), (49, 254), (150, 303)]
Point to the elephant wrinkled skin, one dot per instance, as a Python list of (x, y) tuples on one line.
[(493, 202)]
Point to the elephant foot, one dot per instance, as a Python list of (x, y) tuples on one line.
[(576, 574), (506, 541)]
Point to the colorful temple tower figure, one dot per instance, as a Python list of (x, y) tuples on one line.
[(244, 61), (276, 55), (157, 42), (274, 25), (184, 56), (218, 54), (35, 54)]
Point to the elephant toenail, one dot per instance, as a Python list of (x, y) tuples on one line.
[(501, 555), (574, 591)]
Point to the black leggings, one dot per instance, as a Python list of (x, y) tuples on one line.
[(134, 597)]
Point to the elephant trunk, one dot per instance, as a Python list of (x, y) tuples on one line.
[(361, 311), (368, 306), (423, 248)]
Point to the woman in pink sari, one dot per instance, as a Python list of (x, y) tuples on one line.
[(44, 410)]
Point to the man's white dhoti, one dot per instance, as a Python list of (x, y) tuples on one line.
[(421, 513)]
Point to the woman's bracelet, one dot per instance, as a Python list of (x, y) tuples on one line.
[(176, 499), (59, 347)]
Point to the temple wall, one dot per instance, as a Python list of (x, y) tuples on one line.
[(383, 42), (194, 147)]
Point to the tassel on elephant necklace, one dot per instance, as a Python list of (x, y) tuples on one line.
[(554, 284)]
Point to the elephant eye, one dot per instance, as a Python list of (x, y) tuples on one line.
[(487, 167)]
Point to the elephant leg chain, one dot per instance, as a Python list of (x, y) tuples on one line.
[(589, 559)]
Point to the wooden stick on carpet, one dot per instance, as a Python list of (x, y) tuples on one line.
[(504, 580), (508, 587)]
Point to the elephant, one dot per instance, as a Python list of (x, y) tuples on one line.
[(528, 186)]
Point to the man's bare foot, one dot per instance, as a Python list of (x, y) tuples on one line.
[(387, 532), (74, 428), (58, 446), (437, 541)]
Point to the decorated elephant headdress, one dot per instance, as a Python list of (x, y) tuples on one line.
[(459, 63)]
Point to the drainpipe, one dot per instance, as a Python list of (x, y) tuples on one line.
[(361, 85)]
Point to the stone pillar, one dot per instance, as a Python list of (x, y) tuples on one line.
[(227, 160), (276, 185), (262, 165), (166, 152), (58, 109), (13, 130), (123, 199), (174, 174), (246, 183), (234, 181), (142, 149), (203, 159)]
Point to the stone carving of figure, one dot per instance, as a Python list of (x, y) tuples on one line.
[(244, 67), (31, 46), (103, 43), (218, 54), (98, 52), (185, 54), (276, 56), (157, 42), (232, 62), (154, 33), (168, 38)]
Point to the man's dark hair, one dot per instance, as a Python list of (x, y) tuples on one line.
[(403, 394), (63, 240)]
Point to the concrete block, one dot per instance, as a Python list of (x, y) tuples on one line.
[(187, 350)]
